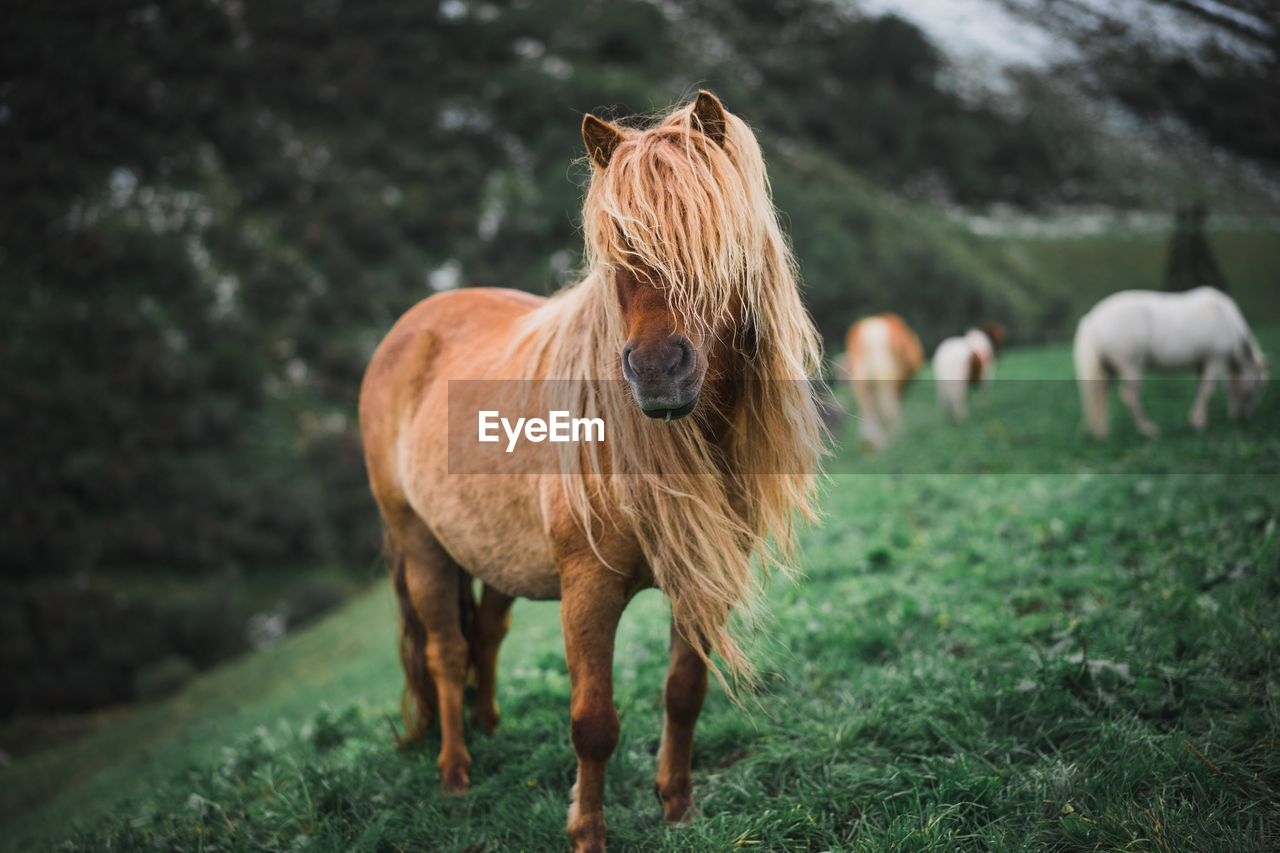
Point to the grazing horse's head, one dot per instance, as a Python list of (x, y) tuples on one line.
[(995, 333), (680, 215), (1248, 376)]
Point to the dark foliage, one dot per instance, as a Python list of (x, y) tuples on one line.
[(1233, 102)]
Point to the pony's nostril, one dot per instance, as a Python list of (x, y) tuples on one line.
[(672, 358), (683, 357)]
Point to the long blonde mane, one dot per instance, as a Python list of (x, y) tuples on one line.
[(700, 215)]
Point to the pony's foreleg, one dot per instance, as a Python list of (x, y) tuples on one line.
[(434, 584), (1200, 409), (492, 619), (889, 392), (592, 599), (952, 394), (685, 692), (1131, 383)]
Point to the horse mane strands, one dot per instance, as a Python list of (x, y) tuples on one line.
[(700, 215)]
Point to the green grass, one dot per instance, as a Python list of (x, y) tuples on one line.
[(1009, 657)]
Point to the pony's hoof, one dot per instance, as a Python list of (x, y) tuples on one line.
[(677, 803), (586, 834), (678, 811), (455, 782), (1149, 430), (1198, 423)]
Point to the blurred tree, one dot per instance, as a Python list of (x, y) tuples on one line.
[(1224, 91), (1190, 262)]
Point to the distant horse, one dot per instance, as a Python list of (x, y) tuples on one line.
[(881, 356), (962, 362), (687, 314), (1135, 330)]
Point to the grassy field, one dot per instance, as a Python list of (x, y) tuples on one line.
[(1006, 637)]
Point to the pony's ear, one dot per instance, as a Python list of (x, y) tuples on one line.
[(708, 117), (601, 138)]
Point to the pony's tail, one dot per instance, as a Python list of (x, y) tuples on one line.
[(418, 702), (1092, 378)]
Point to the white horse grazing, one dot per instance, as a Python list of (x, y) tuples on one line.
[(881, 356), (1139, 329), (960, 362)]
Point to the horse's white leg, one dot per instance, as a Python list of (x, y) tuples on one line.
[(592, 599), (1200, 409), (951, 394), (870, 433), (887, 390), (1130, 385), (959, 400)]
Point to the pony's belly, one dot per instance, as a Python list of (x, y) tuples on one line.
[(510, 566), (1169, 356), (1162, 358), (491, 524), (492, 527), (1167, 364)]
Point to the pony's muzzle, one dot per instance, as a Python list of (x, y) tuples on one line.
[(665, 376)]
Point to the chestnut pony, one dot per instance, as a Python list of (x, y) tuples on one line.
[(965, 361), (688, 309), (882, 354)]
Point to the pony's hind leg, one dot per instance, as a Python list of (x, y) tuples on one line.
[(418, 703), (686, 689), (492, 619), (435, 587)]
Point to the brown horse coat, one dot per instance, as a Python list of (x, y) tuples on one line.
[(882, 355), (690, 321)]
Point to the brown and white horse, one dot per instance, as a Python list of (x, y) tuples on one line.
[(882, 354), (965, 361), (687, 316)]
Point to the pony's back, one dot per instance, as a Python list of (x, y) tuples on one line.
[(883, 347), (1164, 330)]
